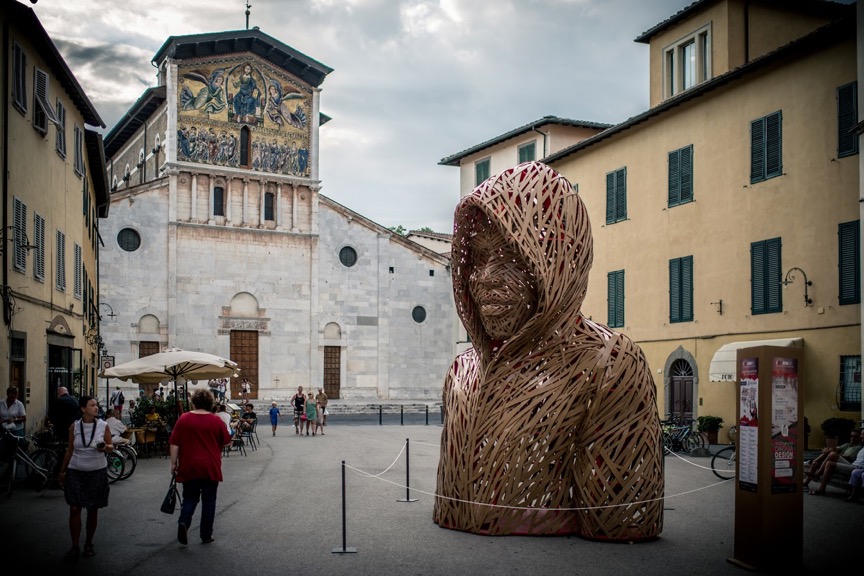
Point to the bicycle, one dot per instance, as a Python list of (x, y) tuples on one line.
[(679, 436), (53, 450), (25, 467), (130, 459), (724, 461)]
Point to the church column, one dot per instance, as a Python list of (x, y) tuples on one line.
[(262, 192), (228, 185), (211, 219), (294, 208), (278, 206), (245, 215), (194, 213)]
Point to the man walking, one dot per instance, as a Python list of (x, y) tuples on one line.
[(64, 411), (322, 406), (117, 401)]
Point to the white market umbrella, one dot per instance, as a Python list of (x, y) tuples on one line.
[(172, 364)]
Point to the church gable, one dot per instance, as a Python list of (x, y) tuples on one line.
[(240, 111)]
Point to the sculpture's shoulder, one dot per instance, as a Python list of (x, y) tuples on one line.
[(615, 350), (464, 369)]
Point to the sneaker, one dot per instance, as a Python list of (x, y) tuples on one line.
[(181, 533), (208, 540)]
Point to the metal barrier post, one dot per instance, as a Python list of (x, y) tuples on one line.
[(407, 475), (344, 549), (380, 409), (427, 414), (401, 415)]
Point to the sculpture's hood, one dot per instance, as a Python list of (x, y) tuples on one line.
[(542, 217)]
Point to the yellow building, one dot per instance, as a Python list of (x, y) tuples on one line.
[(53, 195), (726, 215)]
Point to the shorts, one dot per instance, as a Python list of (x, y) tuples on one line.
[(298, 413)]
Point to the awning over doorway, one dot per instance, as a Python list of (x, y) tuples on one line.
[(723, 367)]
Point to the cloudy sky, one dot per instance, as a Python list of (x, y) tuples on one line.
[(413, 81)]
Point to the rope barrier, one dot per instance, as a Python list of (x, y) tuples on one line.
[(362, 473)]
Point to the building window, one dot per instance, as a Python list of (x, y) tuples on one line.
[(681, 289), (681, 176), (61, 261), (42, 110), (129, 240), (218, 201), (418, 314), (348, 256), (268, 206), (20, 215), (847, 118), (850, 383), (244, 146), (616, 196), (39, 246), (765, 276), (766, 150), (481, 171), (19, 85), (61, 129), (528, 152), (849, 241), (615, 301), (687, 62), (79, 151), (76, 274)]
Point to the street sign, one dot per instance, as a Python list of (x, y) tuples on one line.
[(107, 362)]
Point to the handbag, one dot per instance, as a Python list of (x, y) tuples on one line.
[(169, 503), (303, 417)]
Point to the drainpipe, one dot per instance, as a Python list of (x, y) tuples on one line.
[(7, 311), (534, 129), (746, 31)]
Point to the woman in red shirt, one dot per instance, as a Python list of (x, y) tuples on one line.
[(196, 458)]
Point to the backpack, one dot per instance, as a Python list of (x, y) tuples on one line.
[(121, 399)]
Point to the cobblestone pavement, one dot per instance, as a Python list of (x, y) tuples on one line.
[(279, 511)]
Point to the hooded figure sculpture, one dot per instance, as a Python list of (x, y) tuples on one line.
[(551, 424)]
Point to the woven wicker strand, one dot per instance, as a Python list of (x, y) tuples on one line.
[(550, 417)]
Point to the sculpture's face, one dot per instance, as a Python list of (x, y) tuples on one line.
[(501, 284)]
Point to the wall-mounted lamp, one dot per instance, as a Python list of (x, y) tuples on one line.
[(92, 336), (719, 305), (790, 278), (18, 237)]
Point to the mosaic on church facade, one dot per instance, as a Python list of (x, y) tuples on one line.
[(242, 113)]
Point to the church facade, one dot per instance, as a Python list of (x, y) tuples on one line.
[(219, 239)]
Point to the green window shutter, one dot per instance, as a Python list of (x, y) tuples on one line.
[(757, 150), (849, 241), (674, 178), (527, 153), (687, 289), (686, 174), (481, 171), (615, 299), (765, 272), (675, 290), (773, 145), (610, 198), (681, 289), (621, 194), (847, 118)]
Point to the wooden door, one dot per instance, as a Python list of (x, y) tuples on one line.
[(682, 396), (148, 349), (332, 371), (244, 351)]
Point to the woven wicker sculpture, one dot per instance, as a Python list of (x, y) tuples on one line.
[(551, 425)]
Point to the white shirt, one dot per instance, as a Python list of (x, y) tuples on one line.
[(116, 426), (11, 412), (85, 456)]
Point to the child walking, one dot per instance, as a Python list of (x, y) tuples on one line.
[(275, 416)]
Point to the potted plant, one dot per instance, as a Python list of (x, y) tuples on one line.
[(837, 430), (710, 425)]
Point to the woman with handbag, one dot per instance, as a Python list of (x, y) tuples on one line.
[(84, 474), (311, 413), (196, 458)]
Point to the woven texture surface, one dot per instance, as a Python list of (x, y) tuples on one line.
[(551, 423)]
